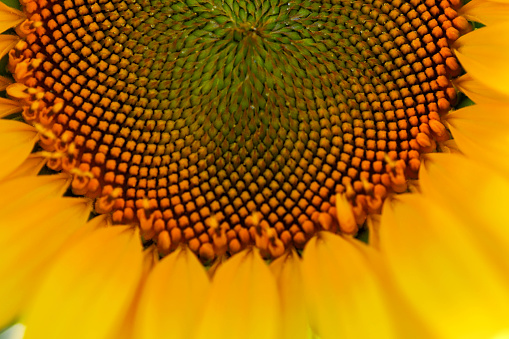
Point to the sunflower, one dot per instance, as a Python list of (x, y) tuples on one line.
[(254, 169)]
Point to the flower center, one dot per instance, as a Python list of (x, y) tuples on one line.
[(226, 124)]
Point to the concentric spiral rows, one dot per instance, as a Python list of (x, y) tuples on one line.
[(225, 124)]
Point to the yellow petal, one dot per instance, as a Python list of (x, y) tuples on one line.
[(19, 193), (294, 319), (93, 224), (28, 241), (126, 328), (88, 289), (486, 12), (482, 133), (10, 17), (484, 53), (243, 301), (478, 92), (438, 267), (30, 167), (7, 42), (178, 279), (17, 140), (7, 106), (343, 291), (483, 211), (373, 223), (4, 83)]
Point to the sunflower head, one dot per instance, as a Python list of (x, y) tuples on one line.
[(228, 124)]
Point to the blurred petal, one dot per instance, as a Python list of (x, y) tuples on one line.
[(93, 224), (7, 41), (486, 12), (438, 268), (7, 106), (10, 17), (126, 328), (482, 133), (343, 291), (483, 53), (17, 140), (294, 319), (4, 83), (28, 241), (483, 211), (30, 167), (243, 301), (19, 193), (178, 279), (373, 223), (89, 287), (478, 92)]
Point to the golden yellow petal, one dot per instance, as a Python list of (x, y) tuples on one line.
[(126, 328), (4, 83), (7, 41), (7, 106), (484, 53), (93, 224), (17, 140), (89, 287), (482, 133), (172, 298), (243, 301), (483, 210), (485, 11), (478, 92), (28, 241), (9, 17), (439, 268), (30, 167), (294, 319), (373, 223), (22, 192), (343, 290)]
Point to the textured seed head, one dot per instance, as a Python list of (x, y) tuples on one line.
[(225, 124)]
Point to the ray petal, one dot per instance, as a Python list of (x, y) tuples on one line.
[(439, 269), (4, 83), (478, 92), (30, 167), (89, 287), (10, 17), (7, 106), (17, 140), (484, 212), (484, 53), (22, 192), (243, 301), (178, 279), (7, 42), (126, 329), (294, 320), (343, 290), (482, 133), (28, 241), (486, 12)]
